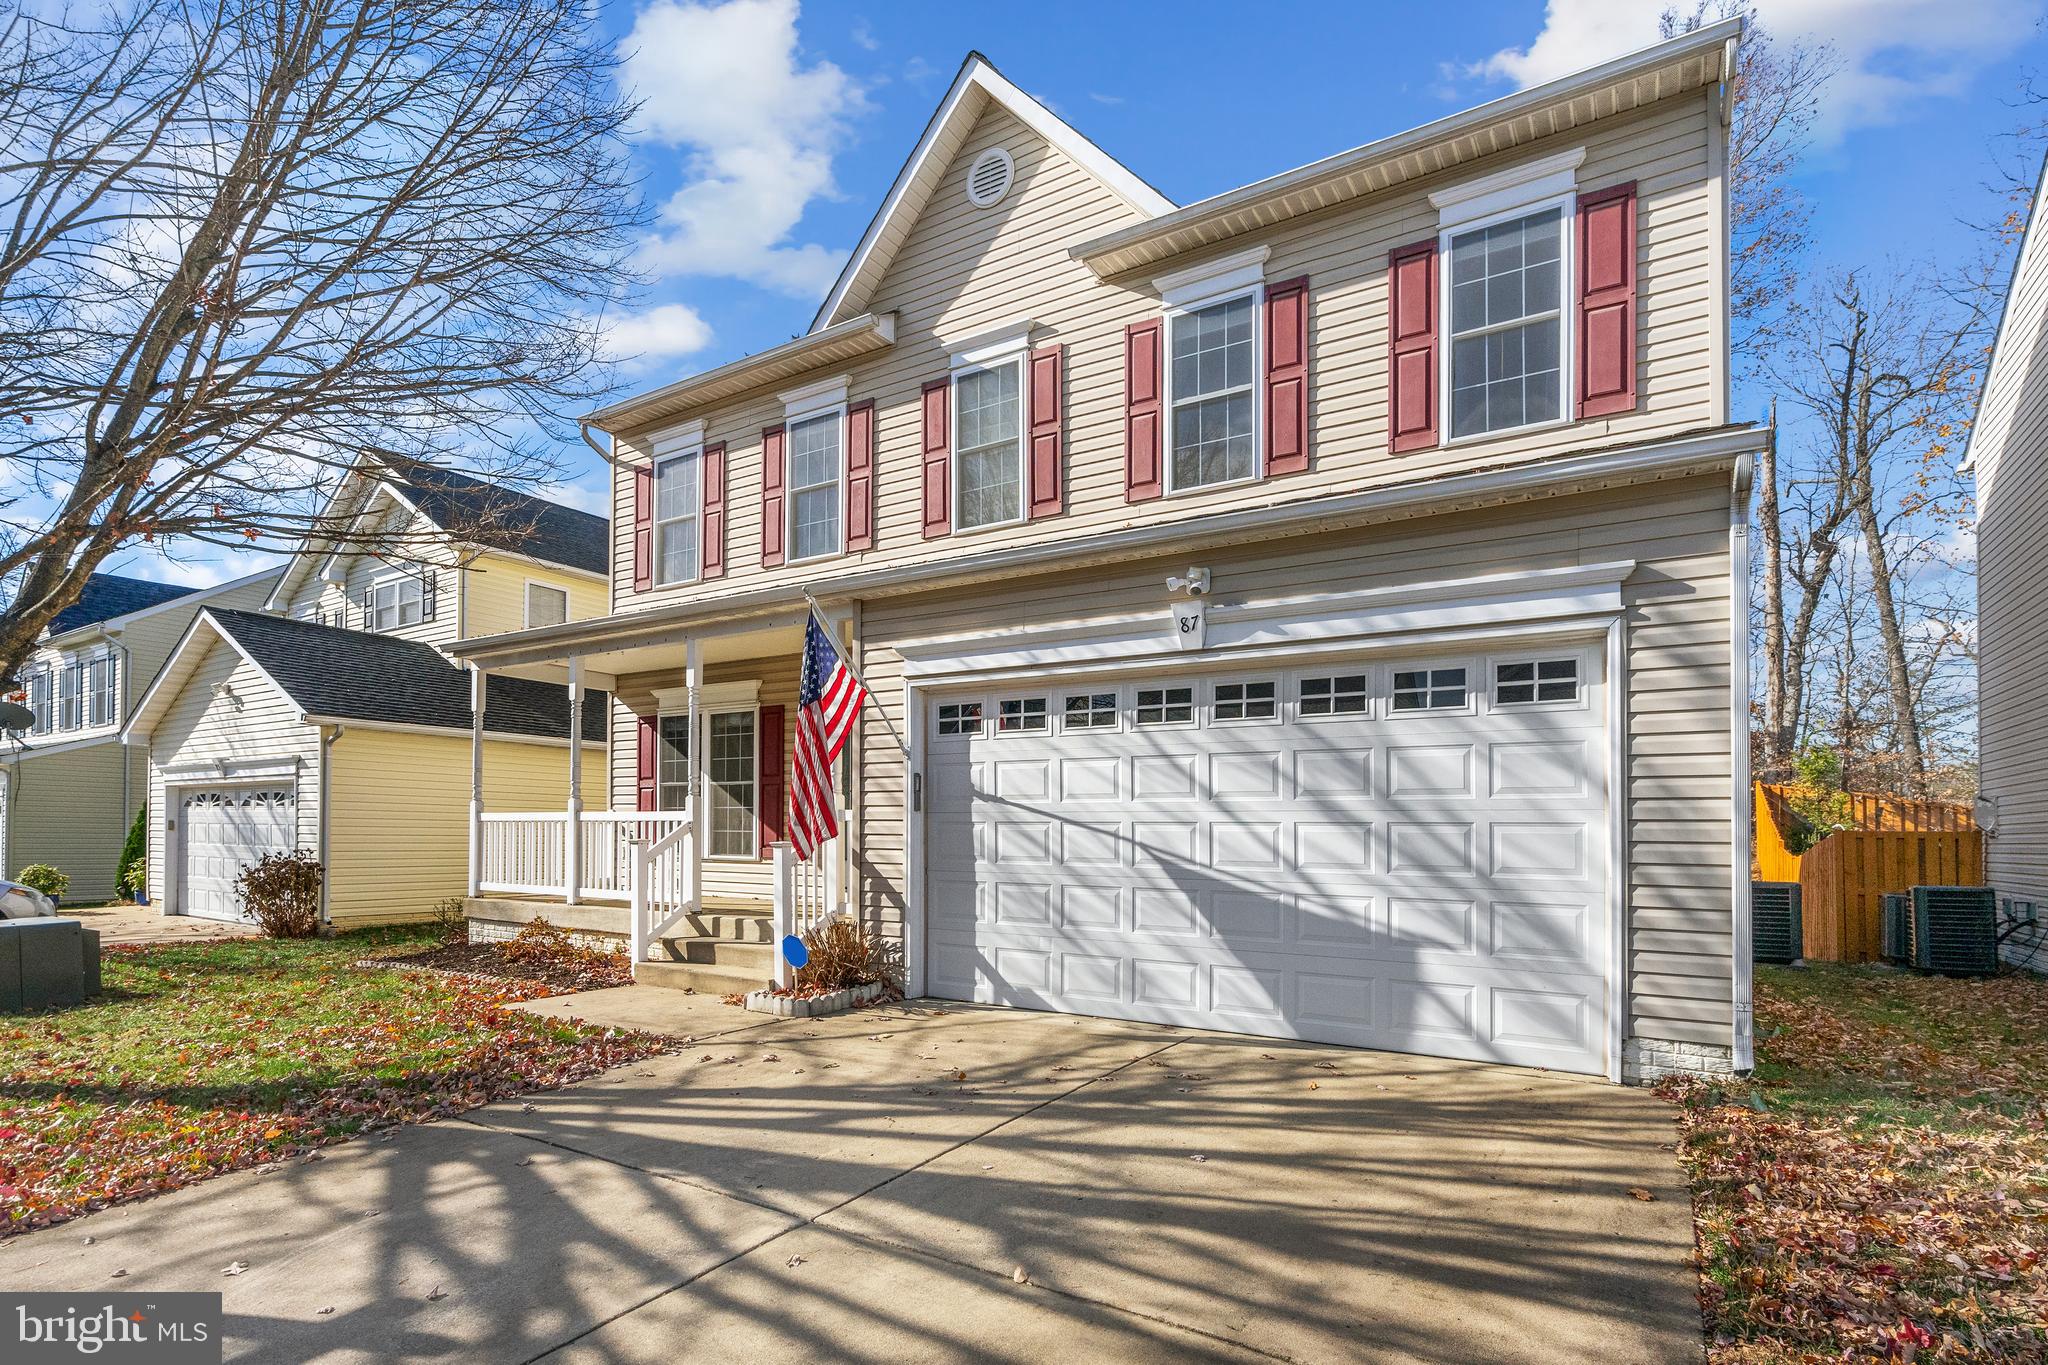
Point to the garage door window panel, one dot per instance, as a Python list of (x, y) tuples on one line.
[(1436, 689), (1254, 701), (958, 719), (1161, 707), (1334, 694), (1021, 716), (1536, 683)]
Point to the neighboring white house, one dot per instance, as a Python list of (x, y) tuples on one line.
[(1315, 611), (68, 790), (334, 720), (2009, 455)]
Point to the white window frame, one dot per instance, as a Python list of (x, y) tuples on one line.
[(661, 721), (754, 826), (531, 585), (1194, 704), (45, 715), (1117, 709), (1518, 192), (827, 398), (1044, 713), (1011, 347), (1371, 694), (656, 521), (981, 720), (1257, 295), (71, 711), (1468, 708), (396, 580), (1575, 657), (1279, 699), (108, 690)]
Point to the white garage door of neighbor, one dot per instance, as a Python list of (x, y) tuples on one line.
[(224, 831), (1409, 856)]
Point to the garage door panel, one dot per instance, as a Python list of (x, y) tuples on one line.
[(221, 832), (1430, 882)]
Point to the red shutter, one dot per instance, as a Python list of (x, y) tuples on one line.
[(1607, 301), (1287, 377), (860, 476), (1046, 424), (937, 446), (713, 550), (1142, 473), (645, 766), (643, 527), (768, 754), (773, 472), (1411, 347)]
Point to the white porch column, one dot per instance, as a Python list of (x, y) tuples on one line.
[(476, 779), (572, 838), (693, 679)]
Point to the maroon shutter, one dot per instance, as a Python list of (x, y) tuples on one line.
[(773, 473), (768, 759), (1046, 414), (643, 527), (714, 511), (860, 476), (1607, 301), (937, 446), (1142, 473), (1411, 347), (645, 766), (1287, 377)]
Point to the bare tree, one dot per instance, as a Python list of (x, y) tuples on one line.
[(245, 245)]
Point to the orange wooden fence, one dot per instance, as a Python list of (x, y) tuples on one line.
[(1870, 811)]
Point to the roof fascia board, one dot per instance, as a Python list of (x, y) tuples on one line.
[(443, 731), (161, 689), (1722, 34), (616, 417), (976, 73), (1662, 459)]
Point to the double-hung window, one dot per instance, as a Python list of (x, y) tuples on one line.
[(989, 436), (1212, 355), (732, 783), (39, 702), (814, 468), (678, 503), (396, 602), (99, 690), (545, 605), (672, 762), (1507, 321), (70, 696)]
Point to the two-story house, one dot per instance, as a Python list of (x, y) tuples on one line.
[(1311, 611), (68, 790), (334, 721)]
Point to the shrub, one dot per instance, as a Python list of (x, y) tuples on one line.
[(282, 894), (133, 854), (843, 955), (450, 920), (45, 879), (135, 878)]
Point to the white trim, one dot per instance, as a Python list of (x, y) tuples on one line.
[(1614, 691), (1226, 275), (453, 731), (213, 771), (28, 753), (737, 694), (1567, 283), (809, 399), (655, 521), (1256, 293), (791, 422), (990, 344), (1488, 196), (1742, 1045), (1000, 358), (526, 602), (690, 433)]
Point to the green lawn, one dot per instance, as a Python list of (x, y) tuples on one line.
[(1880, 1189), (201, 1058)]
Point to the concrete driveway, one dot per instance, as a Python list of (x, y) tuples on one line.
[(947, 1182)]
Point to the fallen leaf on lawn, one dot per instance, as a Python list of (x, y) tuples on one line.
[(89, 1241), (795, 1261), (1638, 1192), (528, 1107), (958, 1075), (1327, 1066), (1019, 1276), (435, 1295), (1315, 1085), (236, 1268)]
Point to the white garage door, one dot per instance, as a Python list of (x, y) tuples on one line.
[(224, 831), (1409, 856)]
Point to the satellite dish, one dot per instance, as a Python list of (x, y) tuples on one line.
[(15, 716)]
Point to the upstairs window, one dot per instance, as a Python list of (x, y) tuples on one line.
[(989, 436), (396, 602), (1212, 370), (39, 702), (546, 606), (70, 696), (1507, 324), (678, 500), (100, 676), (814, 486)]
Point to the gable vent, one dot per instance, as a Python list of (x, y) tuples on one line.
[(988, 179)]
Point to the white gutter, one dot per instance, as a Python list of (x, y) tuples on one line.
[(1743, 1045)]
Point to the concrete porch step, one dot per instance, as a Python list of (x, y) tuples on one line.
[(703, 978), (716, 952), (729, 926)]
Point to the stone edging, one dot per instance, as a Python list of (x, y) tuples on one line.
[(808, 1007)]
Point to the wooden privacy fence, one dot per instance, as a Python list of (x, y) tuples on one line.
[(1910, 843)]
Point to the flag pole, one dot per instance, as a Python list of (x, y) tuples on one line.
[(846, 658)]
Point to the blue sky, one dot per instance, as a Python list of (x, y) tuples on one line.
[(772, 130)]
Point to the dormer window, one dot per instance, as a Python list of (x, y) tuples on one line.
[(396, 602)]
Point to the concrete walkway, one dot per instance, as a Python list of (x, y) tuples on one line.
[(145, 924), (947, 1182)]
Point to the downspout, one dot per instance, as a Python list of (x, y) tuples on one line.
[(1744, 1040), (327, 739)]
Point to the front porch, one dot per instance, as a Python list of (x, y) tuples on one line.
[(691, 869)]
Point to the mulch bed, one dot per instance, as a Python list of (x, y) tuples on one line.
[(587, 972)]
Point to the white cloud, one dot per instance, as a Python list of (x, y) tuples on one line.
[(725, 83), (637, 340), (196, 566), (1892, 52)]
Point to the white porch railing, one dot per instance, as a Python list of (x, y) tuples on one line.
[(808, 893), (525, 853), (663, 884)]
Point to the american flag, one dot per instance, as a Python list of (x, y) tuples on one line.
[(828, 698)]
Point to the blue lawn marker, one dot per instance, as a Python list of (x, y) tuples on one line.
[(794, 951)]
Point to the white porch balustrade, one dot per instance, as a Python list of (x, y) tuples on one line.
[(809, 893)]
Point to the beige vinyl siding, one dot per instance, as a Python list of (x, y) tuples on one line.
[(398, 839), (635, 698), (963, 270), (494, 593), (72, 811), (1677, 600), (317, 599), (200, 727)]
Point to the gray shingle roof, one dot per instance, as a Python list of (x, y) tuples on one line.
[(354, 675), (506, 519), (108, 595)]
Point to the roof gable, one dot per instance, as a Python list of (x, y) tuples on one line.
[(978, 86), (2017, 354)]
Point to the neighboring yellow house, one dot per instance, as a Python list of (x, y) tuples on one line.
[(333, 721)]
